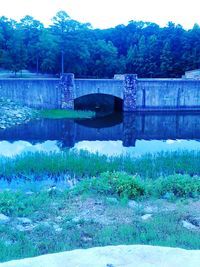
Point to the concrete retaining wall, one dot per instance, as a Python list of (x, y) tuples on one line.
[(36, 93), (168, 94), (150, 94)]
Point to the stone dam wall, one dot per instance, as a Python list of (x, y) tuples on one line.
[(137, 94)]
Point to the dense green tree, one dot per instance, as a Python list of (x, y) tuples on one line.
[(31, 31), (104, 57), (63, 26), (48, 52), (166, 59), (60, 28), (70, 46), (132, 59)]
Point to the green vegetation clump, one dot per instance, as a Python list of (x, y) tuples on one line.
[(18, 204), (113, 183), (66, 114), (178, 185), (123, 185)]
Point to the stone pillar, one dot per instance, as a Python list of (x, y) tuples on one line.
[(67, 87), (130, 90)]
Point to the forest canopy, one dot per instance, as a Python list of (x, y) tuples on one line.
[(67, 45)]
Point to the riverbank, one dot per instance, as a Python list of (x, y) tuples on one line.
[(69, 221), (97, 204), (12, 114)]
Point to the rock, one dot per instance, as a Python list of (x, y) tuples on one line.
[(18, 115), (151, 209), (57, 228), (146, 217), (86, 239), (189, 225), (114, 256), (76, 219), (27, 228), (52, 189), (24, 221), (195, 221), (58, 219), (4, 218), (2, 127), (133, 204), (13, 114), (46, 224)]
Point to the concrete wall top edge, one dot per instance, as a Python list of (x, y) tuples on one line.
[(166, 80), (29, 79), (98, 80)]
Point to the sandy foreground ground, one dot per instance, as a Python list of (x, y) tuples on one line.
[(115, 256)]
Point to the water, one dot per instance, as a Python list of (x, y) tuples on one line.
[(135, 134)]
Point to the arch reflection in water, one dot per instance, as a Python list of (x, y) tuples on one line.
[(118, 133)]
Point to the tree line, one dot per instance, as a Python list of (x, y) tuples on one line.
[(70, 46)]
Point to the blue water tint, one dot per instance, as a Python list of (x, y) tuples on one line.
[(111, 148), (133, 133), (9, 149)]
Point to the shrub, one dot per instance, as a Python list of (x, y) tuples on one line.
[(111, 183), (179, 185), (18, 204)]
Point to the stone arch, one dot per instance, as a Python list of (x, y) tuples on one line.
[(72, 89), (98, 102)]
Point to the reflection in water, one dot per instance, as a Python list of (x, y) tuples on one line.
[(111, 148), (12, 149), (129, 133)]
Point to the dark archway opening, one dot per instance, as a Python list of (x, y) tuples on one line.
[(100, 103)]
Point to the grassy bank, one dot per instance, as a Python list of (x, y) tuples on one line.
[(94, 214), (83, 164), (65, 114), (121, 200)]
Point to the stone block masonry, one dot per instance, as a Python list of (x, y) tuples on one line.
[(129, 92), (67, 89)]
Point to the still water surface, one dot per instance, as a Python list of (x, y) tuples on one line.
[(135, 134)]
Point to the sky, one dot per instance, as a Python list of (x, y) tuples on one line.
[(106, 13)]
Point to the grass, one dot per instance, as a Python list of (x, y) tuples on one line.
[(67, 211), (163, 232), (83, 164), (95, 212), (23, 74), (123, 185), (66, 114)]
